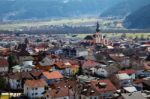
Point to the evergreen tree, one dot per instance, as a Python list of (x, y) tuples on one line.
[(12, 61), (80, 72), (26, 41)]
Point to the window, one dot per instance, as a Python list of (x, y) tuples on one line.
[(65, 98), (32, 94), (32, 88), (36, 88), (36, 93), (95, 97)]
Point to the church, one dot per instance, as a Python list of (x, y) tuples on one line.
[(97, 38)]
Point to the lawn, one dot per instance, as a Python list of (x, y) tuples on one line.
[(18, 25)]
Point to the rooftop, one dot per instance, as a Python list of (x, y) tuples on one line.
[(35, 83), (123, 76), (53, 75)]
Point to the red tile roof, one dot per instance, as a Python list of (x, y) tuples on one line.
[(109, 85), (89, 64), (63, 88), (129, 71), (35, 83), (60, 65), (60, 92), (53, 75)]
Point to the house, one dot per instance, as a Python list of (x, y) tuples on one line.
[(24, 67), (75, 52), (56, 51), (104, 87), (27, 66), (16, 80), (120, 59), (106, 71), (46, 63), (88, 92), (98, 89), (74, 66), (136, 95), (64, 89), (84, 78), (65, 67), (3, 65), (17, 68), (36, 74), (123, 80), (99, 72), (51, 77), (41, 47), (146, 83), (35, 88), (130, 72), (81, 52), (87, 64), (147, 63), (25, 58), (142, 74), (112, 69)]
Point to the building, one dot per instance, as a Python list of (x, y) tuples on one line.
[(35, 88), (3, 65), (97, 38), (98, 89), (51, 77), (16, 80), (130, 72), (123, 80)]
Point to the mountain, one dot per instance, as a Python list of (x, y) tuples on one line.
[(124, 8), (42, 9), (140, 19)]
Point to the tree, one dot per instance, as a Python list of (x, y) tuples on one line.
[(3, 83), (99, 56), (26, 41), (12, 61), (38, 40), (123, 35), (41, 55), (80, 72)]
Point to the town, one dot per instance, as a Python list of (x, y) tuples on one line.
[(51, 66)]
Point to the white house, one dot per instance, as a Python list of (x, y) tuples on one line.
[(35, 88), (99, 72), (16, 79), (130, 72), (124, 80), (81, 52)]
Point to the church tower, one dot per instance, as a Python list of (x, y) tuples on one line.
[(98, 35)]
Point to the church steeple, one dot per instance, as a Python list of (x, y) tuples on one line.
[(97, 27)]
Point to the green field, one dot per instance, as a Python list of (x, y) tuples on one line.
[(20, 25)]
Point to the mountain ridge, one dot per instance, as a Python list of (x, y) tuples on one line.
[(139, 19)]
